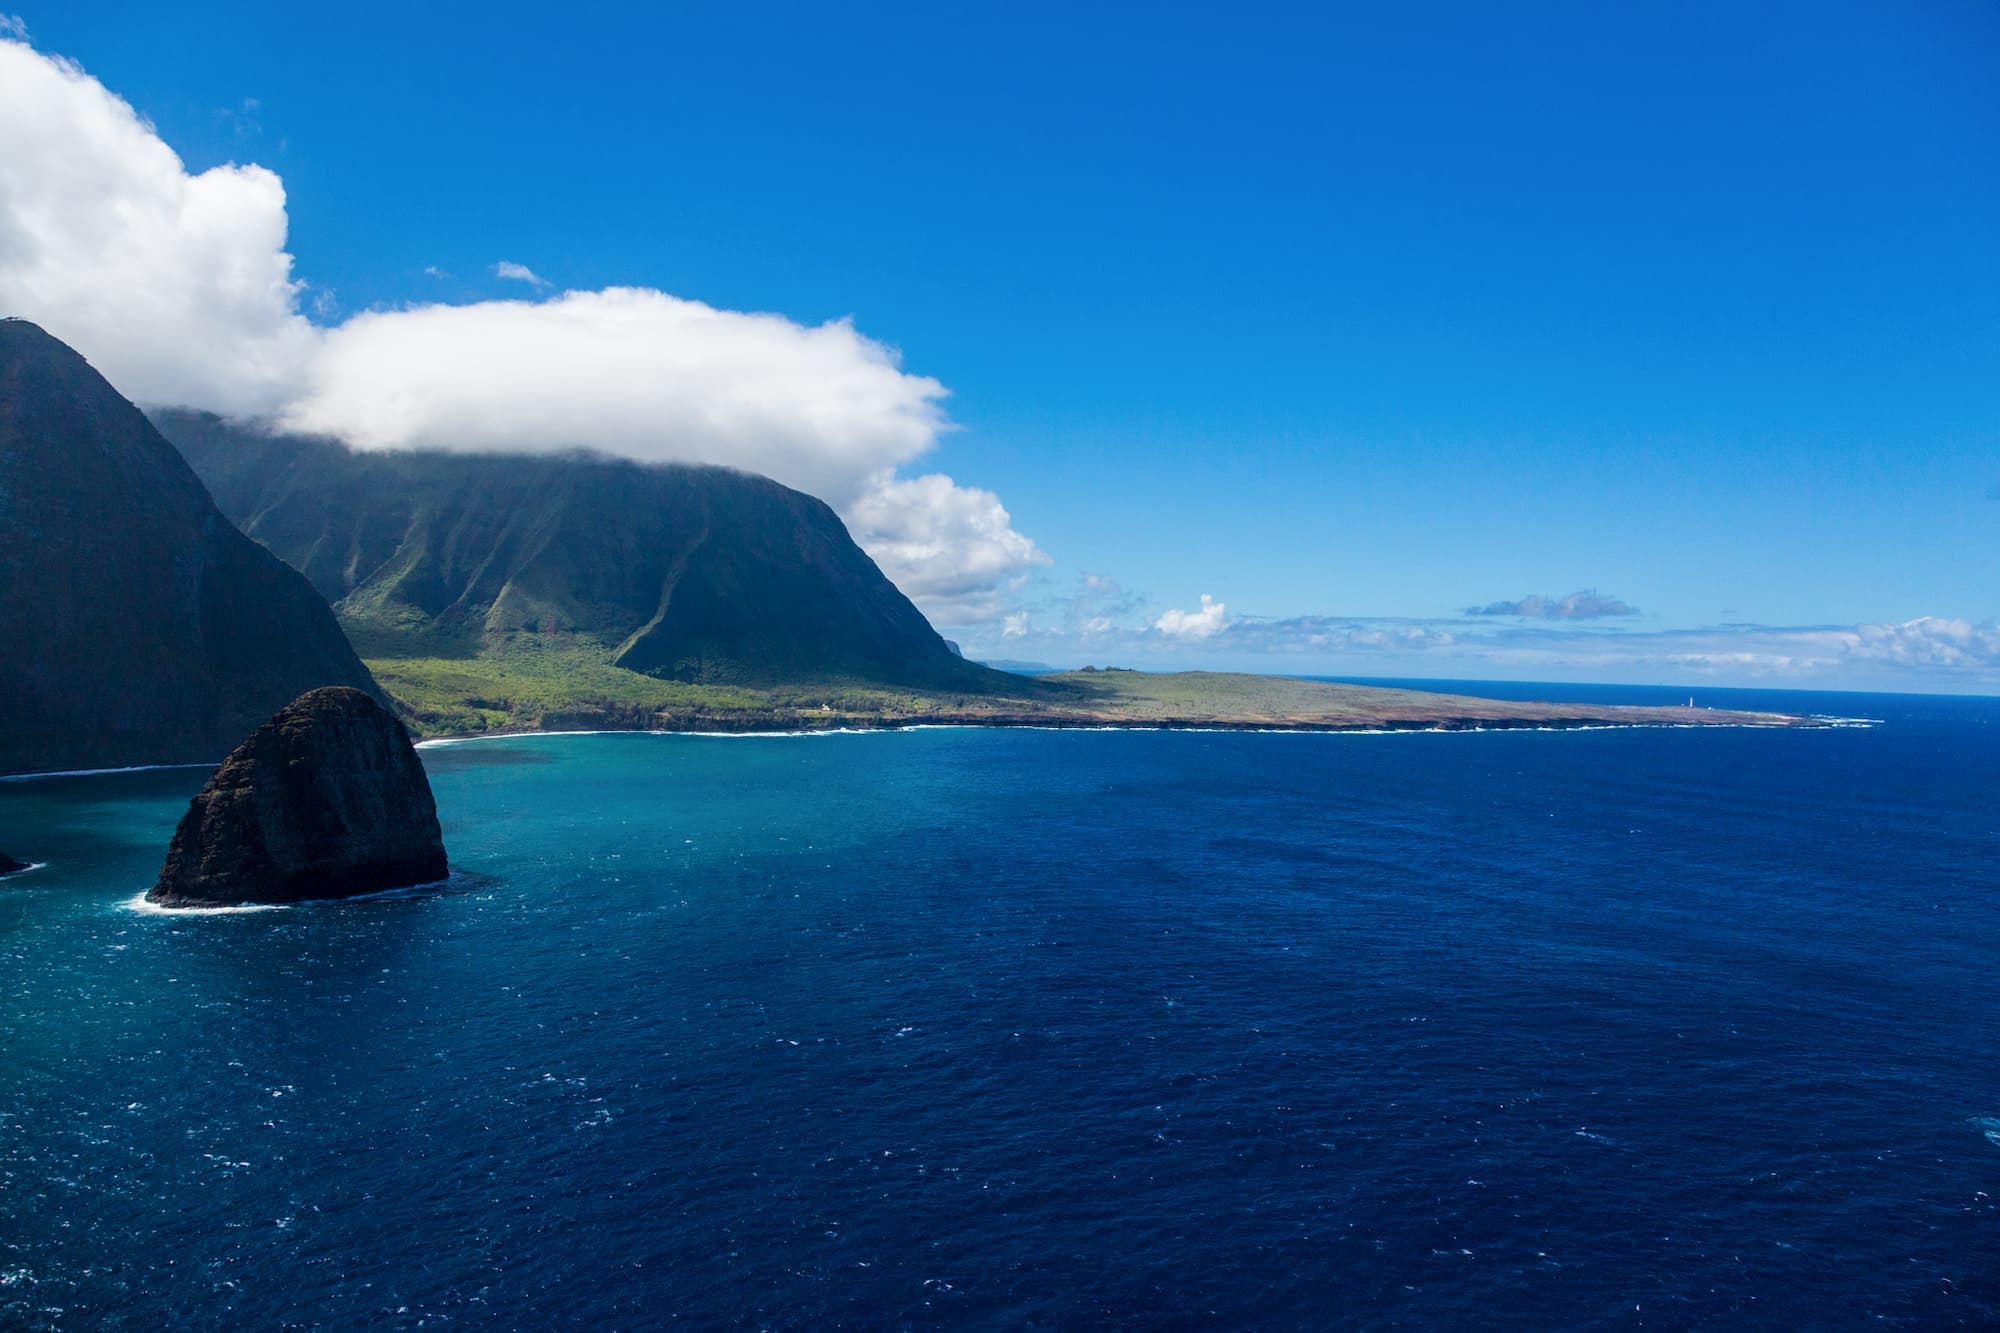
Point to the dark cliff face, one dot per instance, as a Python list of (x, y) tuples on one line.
[(326, 800), (681, 572), (141, 627)]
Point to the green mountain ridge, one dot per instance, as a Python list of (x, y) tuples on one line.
[(142, 627), (692, 574), (500, 593)]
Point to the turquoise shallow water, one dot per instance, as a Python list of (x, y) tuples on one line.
[(1037, 1028)]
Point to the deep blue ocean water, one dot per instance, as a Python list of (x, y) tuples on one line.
[(1043, 1029)]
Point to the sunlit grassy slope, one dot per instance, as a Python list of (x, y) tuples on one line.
[(551, 683)]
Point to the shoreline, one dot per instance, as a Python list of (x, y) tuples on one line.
[(407, 893), (853, 726), (40, 774), (489, 697), (1381, 727)]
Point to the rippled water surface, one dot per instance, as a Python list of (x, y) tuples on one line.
[(1646, 1028)]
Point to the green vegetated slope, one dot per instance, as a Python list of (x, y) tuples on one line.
[(141, 626), (504, 593), (516, 590), (559, 682)]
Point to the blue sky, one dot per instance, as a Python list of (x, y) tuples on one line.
[(1367, 317)]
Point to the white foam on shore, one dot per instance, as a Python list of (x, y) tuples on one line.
[(440, 742), (97, 772), (139, 904), (1489, 727), (1824, 722)]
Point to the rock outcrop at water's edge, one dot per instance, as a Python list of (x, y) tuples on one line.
[(327, 800)]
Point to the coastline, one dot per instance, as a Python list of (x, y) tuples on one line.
[(463, 879), (40, 774), (1328, 710), (507, 692), (1378, 727)]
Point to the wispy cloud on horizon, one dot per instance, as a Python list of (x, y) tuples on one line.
[(1587, 604), (1939, 647), (1100, 605)]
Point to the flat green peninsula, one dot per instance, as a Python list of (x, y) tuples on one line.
[(552, 688)]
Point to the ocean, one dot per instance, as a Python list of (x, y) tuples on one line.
[(1043, 1029)]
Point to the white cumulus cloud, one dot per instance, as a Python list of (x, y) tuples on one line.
[(629, 371), (947, 546), (178, 287), (1206, 623)]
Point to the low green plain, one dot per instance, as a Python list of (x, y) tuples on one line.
[(530, 682)]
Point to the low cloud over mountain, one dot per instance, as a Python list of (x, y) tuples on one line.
[(179, 288)]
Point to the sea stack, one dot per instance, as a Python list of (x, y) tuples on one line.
[(9, 866), (327, 800)]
